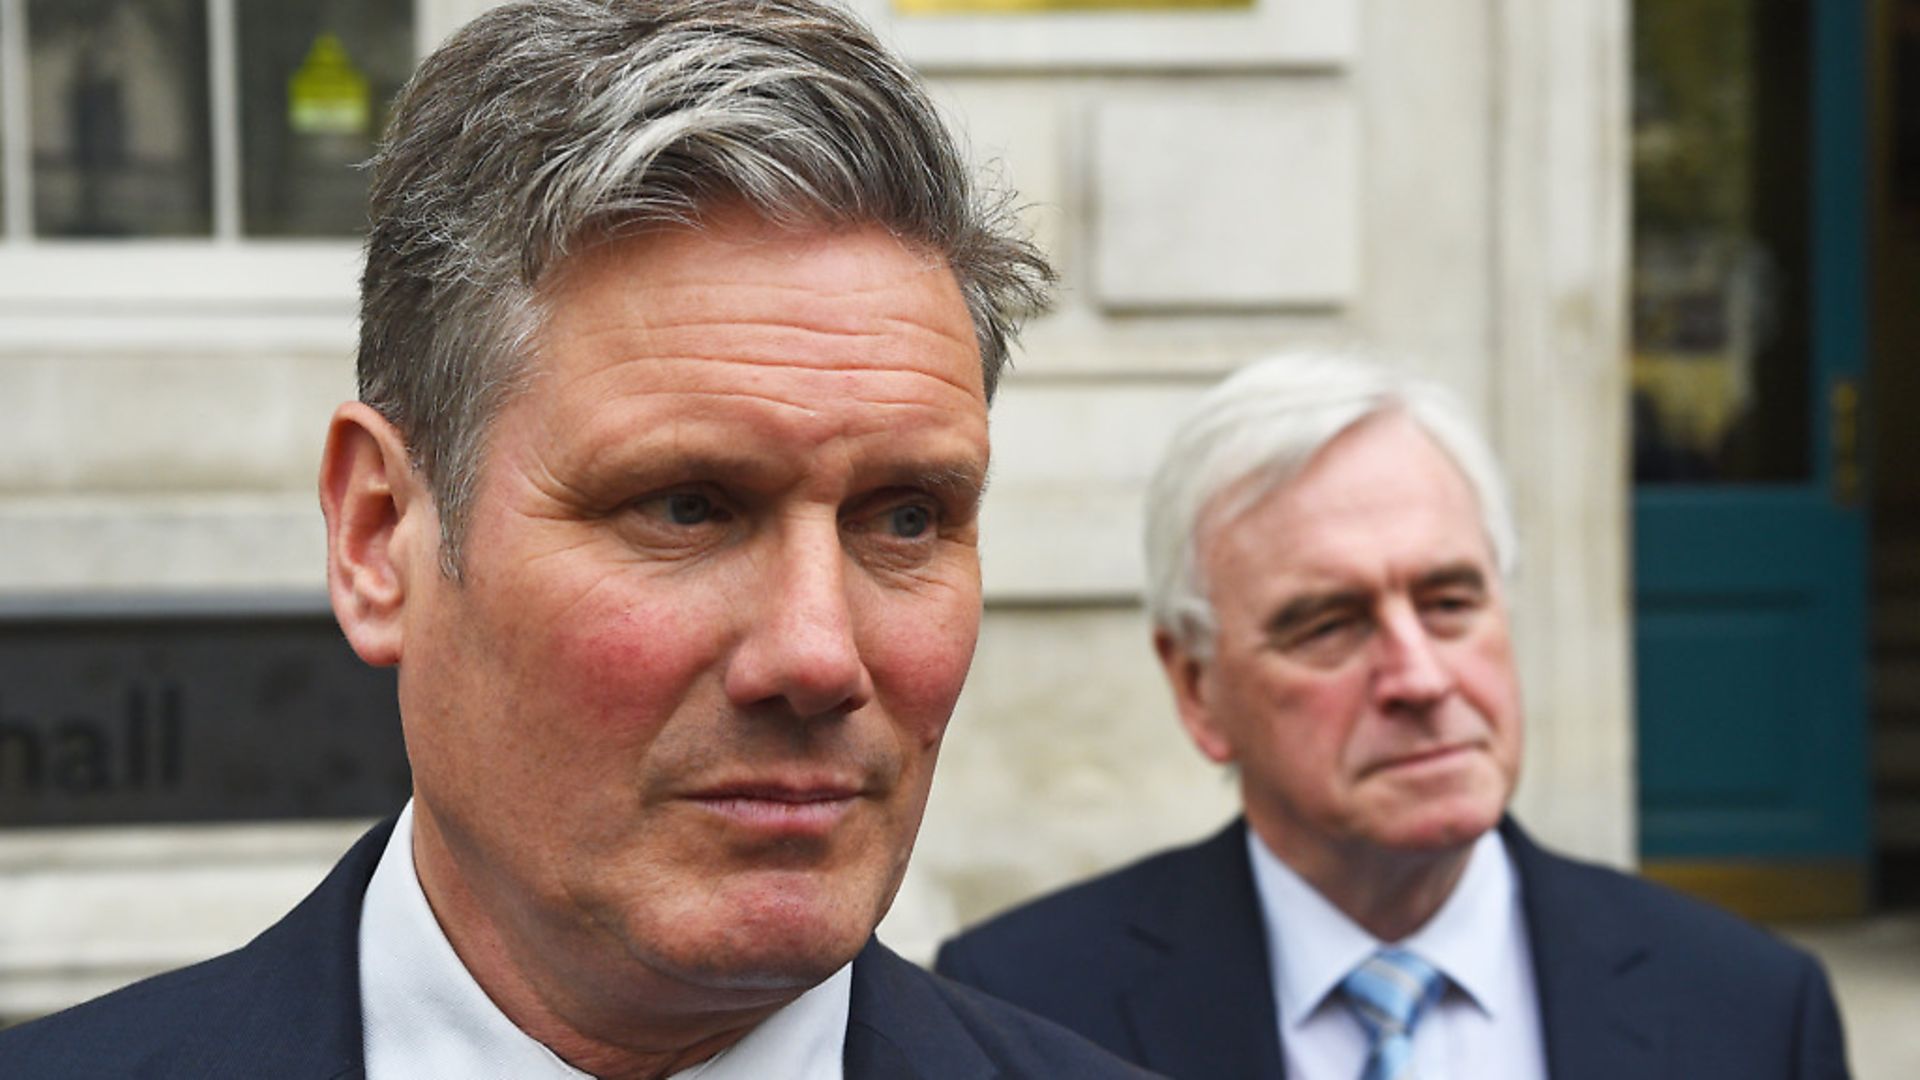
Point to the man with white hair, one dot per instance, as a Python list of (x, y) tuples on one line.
[(1329, 548)]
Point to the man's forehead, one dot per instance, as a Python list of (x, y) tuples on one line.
[(773, 294), (731, 232), (1388, 448), (673, 357)]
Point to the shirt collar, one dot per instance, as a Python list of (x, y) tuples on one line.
[(1313, 945), (1467, 937), (425, 1015), (807, 1039)]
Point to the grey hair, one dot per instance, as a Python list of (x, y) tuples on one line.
[(541, 123), (1256, 431)]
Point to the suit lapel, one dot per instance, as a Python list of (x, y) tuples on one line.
[(1207, 1009), (1588, 966), (294, 1010), (898, 1028)]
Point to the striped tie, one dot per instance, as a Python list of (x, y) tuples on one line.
[(1388, 993)]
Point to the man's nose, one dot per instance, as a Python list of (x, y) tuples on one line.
[(1410, 671), (800, 648)]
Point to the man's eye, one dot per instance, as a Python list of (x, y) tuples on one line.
[(1327, 641), (910, 520), (685, 509), (1449, 616), (688, 508), (1327, 630), (1452, 605)]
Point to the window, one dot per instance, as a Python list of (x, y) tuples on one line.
[(194, 118), (215, 119), (181, 174), (1722, 263)]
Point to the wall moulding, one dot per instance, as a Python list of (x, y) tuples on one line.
[(991, 36)]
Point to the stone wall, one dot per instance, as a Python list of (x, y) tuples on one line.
[(1443, 180)]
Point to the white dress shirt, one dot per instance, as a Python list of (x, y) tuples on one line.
[(426, 1019), (1485, 1027)]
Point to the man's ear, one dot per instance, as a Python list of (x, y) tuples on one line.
[(378, 515), (1187, 673)]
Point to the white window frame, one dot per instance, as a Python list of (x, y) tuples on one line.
[(225, 290)]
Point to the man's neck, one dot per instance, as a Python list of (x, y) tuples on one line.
[(608, 1031), (1389, 894), (634, 1060), (608, 1062)]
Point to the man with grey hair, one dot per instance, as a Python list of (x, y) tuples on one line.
[(1329, 548), (679, 323)]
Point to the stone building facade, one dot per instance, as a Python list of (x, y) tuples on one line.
[(1443, 181)]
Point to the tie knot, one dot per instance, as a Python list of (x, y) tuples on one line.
[(1390, 990)]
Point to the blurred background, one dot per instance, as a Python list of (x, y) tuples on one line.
[(1667, 250)]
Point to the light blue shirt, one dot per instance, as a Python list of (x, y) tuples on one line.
[(1485, 1027), (427, 1019)]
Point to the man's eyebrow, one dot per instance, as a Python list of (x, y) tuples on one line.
[(1304, 609), (1454, 575), (659, 464), (961, 481)]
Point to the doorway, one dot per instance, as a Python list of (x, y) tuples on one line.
[(1750, 313)]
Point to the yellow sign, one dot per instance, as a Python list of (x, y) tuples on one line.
[(328, 95), (1029, 7)]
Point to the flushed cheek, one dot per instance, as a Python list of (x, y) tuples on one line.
[(1500, 693), (1326, 723), (918, 674), (1488, 676), (920, 699), (630, 667)]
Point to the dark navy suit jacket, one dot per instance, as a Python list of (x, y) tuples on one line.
[(287, 1007), (1165, 963)]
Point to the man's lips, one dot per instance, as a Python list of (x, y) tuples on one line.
[(797, 808), (1437, 755)]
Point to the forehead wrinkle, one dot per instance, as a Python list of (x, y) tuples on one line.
[(882, 363), (832, 423), (854, 311), (744, 393), (769, 342), (757, 453), (660, 380), (618, 436), (762, 345)]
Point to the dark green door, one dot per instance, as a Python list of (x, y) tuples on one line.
[(1749, 309)]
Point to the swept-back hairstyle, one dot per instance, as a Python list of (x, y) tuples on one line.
[(1256, 431), (540, 123)]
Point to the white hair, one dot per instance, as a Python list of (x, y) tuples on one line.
[(1264, 424)]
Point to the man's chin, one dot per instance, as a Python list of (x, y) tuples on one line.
[(792, 944), (1446, 827), (1443, 806), (769, 971)]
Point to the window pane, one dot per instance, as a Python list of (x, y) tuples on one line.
[(1721, 262), (119, 104), (315, 80), (4, 193)]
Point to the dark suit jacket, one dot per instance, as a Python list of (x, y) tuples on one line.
[(287, 1007), (1164, 962)]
